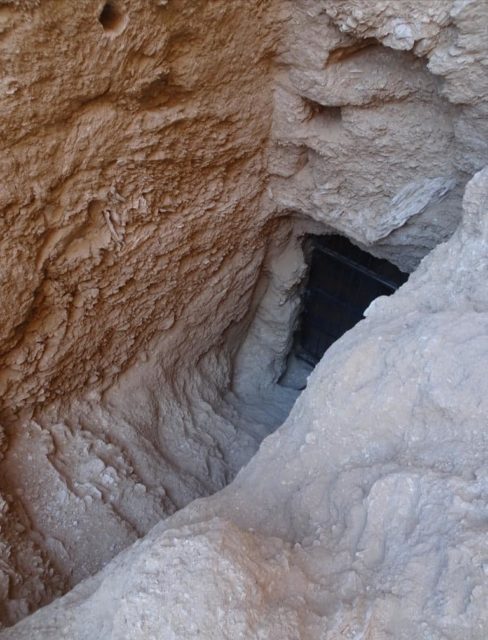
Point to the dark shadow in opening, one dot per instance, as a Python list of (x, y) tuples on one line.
[(111, 17), (343, 281)]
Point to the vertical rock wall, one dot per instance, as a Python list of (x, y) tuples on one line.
[(132, 232), (132, 155)]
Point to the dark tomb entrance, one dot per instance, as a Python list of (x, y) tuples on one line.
[(343, 281)]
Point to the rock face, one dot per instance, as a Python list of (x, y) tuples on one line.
[(132, 235), (163, 161), (360, 92), (369, 522), (122, 146)]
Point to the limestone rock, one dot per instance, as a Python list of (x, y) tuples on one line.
[(379, 495), (162, 162)]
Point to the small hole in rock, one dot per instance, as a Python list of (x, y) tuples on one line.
[(111, 18)]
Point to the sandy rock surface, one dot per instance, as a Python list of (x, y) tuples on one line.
[(162, 162), (132, 234)]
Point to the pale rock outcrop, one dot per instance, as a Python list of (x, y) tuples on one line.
[(371, 520), (359, 92)]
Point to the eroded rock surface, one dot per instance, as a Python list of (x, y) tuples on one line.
[(132, 235), (363, 88), (162, 161), (370, 522)]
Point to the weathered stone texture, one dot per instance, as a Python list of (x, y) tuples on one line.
[(130, 160), (159, 172), (132, 231), (378, 114)]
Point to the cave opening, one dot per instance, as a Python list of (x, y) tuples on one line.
[(342, 282)]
